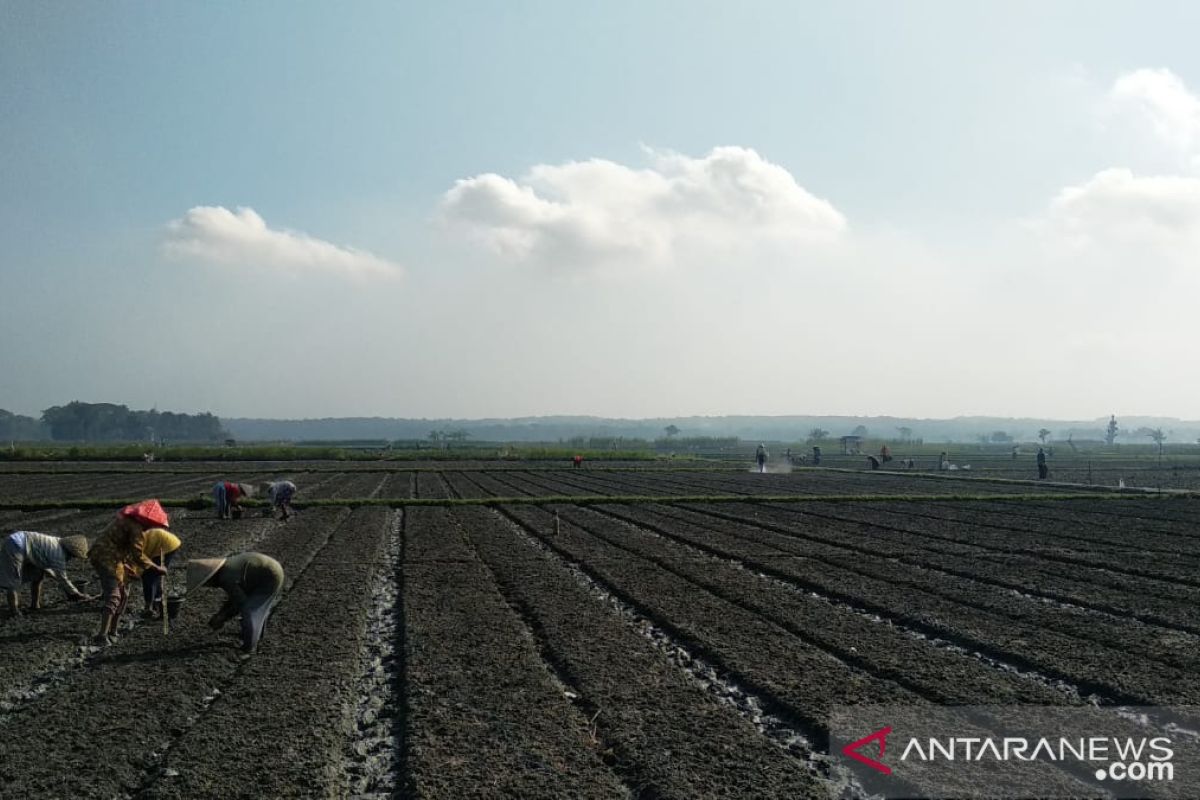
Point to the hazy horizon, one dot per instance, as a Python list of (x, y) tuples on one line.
[(628, 210)]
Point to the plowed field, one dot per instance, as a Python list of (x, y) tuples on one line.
[(549, 632)]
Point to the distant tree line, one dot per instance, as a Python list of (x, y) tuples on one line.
[(696, 444), (108, 422), (18, 428)]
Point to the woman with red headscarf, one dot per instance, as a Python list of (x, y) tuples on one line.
[(119, 553)]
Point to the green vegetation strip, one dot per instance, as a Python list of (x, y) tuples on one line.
[(342, 470), (583, 500)]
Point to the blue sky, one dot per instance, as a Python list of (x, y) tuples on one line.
[(635, 209)]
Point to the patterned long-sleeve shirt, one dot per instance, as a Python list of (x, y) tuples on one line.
[(121, 548), (47, 554), (281, 492)]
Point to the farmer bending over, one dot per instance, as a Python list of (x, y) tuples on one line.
[(28, 557), (120, 552), (227, 496), (252, 584), (162, 546), (280, 493)]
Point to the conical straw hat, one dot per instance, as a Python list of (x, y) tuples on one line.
[(77, 546), (199, 570), (149, 513)]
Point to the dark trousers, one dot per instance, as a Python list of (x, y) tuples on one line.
[(152, 581)]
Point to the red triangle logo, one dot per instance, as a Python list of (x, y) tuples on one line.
[(852, 750)]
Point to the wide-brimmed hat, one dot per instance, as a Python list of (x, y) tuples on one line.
[(199, 570), (247, 489), (76, 546), (149, 513)]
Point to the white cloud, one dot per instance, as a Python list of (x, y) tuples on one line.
[(598, 211), (1160, 99), (214, 234), (1159, 215)]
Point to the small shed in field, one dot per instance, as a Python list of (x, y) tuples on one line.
[(851, 445)]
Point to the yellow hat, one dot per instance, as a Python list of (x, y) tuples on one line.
[(199, 570)]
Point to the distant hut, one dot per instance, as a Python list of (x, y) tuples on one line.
[(851, 445)]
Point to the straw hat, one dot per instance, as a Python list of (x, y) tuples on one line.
[(247, 490), (75, 546), (148, 513), (199, 570)]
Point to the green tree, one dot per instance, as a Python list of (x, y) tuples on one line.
[(818, 434), (905, 433), (672, 430), (16, 427), (1044, 434), (1111, 432), (1157, 435)]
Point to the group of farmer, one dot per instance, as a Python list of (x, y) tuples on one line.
[(228, 496), (885, 457), (139, 545)]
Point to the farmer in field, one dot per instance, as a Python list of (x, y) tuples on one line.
[(279, 494), (28, 557), (873, 462), (577, 461), (760, 455), (228, 497), (1043, 470), (118, 553), (885, 454), (162, 546), (252, 582), (943, 462)]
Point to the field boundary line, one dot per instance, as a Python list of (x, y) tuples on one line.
[(202, 503)]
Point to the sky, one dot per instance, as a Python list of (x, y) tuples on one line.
[(626, 209)]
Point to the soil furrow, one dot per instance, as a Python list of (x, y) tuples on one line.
[(673, 720)]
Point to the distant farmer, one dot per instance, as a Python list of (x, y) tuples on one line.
[(873, 461), (760, 455), (252, 582), (943, 462), (1043, 470), (577, 462), (118, 553), (279, 494), (885, 454), (787, 456), (228, 497), (28, 557), (816, 456), (162, 546)]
